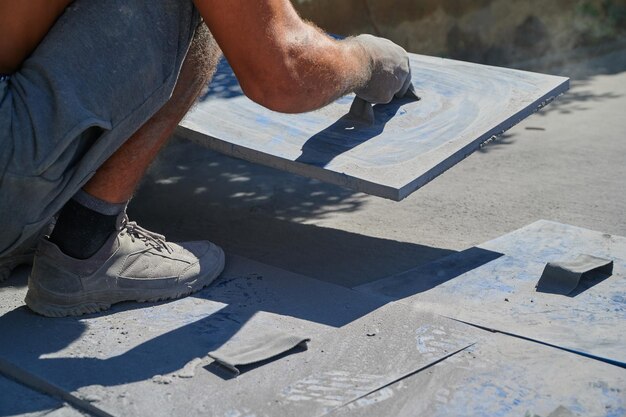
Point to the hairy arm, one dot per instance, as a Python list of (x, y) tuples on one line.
[(282, 62), (23, 24)]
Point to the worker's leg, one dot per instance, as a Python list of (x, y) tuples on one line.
[(95, 257), (116, 179), (102, 71), (86, 222), (106, 72)]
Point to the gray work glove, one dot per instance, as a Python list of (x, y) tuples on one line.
[(391, 73)]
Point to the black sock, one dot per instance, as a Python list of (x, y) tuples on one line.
[(84, 225)]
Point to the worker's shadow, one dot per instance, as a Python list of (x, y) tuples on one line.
[(349, 132)]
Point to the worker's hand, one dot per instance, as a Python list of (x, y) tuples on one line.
[(390, 70)]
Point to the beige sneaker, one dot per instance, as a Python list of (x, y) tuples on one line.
[(133, 265)]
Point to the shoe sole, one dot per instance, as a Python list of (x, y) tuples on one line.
[(55, 305)]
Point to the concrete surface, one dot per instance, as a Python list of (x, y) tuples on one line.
[(137, 360), (367, 350), (567, 163), (493, 286)]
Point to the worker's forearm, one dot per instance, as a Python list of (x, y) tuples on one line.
[(281, 62), (288, 65), (318, 70)]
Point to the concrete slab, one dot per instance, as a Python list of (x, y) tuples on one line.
[(544, 241), (411, 142), (494, 286), (502, 376), (143, 360)]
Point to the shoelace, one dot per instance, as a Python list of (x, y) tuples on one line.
[(135, 231)]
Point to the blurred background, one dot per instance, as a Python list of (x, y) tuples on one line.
[(495, 32)]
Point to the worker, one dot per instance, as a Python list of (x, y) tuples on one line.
[(89, 93)]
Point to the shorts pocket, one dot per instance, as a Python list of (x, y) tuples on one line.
[(29, 203), (71, 148), (26, 239)]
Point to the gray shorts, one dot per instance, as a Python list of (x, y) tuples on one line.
[(101, 72)]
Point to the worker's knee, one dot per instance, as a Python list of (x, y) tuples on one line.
[(198, 68), (204, 54)]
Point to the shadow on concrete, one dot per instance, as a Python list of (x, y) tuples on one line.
[(197, 175), (582, 70), (590, 62), (260, 213), (224, 83), (347, 133), (578, 99), (15, 400), (432, 275), (32, 339), (498, 143)]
